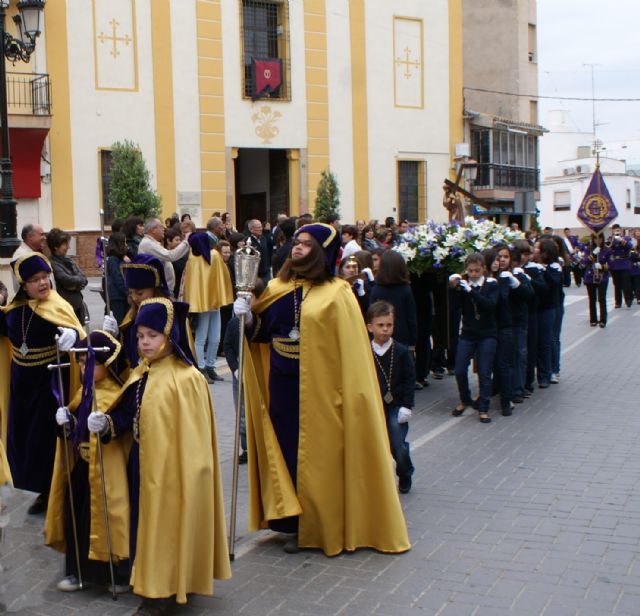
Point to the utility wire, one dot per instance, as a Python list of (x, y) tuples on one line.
[(588, 99)]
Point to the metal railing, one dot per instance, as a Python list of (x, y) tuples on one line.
[(505, 176), (28, 93)]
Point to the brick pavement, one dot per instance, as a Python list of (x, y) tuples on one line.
[(534, 514)]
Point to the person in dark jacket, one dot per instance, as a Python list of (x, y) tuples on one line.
[(68, 277), (478, 301), (396, 377), (133, 228), (392, 284), (546, 253), (116, 253), (262, 242), (286, 229)]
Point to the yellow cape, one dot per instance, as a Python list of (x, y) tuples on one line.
[(181, 541), (114, 457), (54, 309), (345, 483), (206, 287)]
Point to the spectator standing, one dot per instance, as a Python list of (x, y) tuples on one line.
[(151, 244), (133, 228), (33, 240), (116, 253), (68, 277), (349, 241), (172, 239), (286, 230), (259, 241)]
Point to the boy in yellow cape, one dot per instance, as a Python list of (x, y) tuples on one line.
[(86, 484), (318, 451), (206, 287), (178, 543)]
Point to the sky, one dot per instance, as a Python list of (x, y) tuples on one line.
[(572, 33)]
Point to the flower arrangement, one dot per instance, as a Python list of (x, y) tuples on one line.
[(434, 246)]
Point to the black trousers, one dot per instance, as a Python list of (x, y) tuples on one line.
[(622, 287), (597, 296), (532, 350), (635, 287)]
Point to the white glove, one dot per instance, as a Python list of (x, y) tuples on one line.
[(367, 271), (62, 416), (596, 250), (556, 266), (538, 266), (506, 274), (597, 266), (518, 270), (110, 325), (66, 339), (465, 286), (97, 423), (404, 415), (454, 277), (359, 285), (241, 307), (235, 374)]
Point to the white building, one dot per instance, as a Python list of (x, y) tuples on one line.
[(567, 164)]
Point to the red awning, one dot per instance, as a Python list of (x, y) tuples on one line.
[(26, 147)]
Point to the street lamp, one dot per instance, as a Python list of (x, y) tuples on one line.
[(28, 24)]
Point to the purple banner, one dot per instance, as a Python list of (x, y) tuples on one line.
[(597, 209)]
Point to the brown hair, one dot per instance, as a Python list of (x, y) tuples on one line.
[(474, 257), (364, 258), (56, 237), (379, 309), (221, 244), (312, 266), (393, 269)]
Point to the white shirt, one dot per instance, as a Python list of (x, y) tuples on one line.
[(351, 247), (151, 246), (478, 283), (381, 349)]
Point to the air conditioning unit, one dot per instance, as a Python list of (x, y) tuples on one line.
[(583, 169), (569, 171)]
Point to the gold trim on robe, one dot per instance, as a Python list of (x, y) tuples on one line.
[(345, 482), (206, 287)]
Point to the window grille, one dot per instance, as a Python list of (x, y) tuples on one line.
[(412, 180), (265, 34)]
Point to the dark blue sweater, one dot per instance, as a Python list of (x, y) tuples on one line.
[(400, 297), (479, 311), (403, 375)]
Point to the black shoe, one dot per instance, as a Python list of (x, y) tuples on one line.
[(475, 403), (594, 323), (518, 399), (404, 485), (602, 324), (543, 385), (39, 505), (438, 375), (291, 545), (154, 607), (425, 382), (527, 393), (211, 371), (418, 386), (205, 373), (507, 410), (617, 306), (242, 458)]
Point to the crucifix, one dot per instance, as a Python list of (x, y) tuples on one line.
[(114, 38), (407, 63)]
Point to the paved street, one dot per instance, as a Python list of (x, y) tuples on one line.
[(538, 513)]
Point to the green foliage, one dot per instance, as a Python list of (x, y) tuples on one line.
[(130, 193), (327, 196)]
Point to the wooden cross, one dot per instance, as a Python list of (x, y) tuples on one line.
[(407, 63), (114, 38)]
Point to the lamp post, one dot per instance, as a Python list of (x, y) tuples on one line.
[(28, 24)]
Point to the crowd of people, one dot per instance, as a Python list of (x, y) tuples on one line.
[(137, 409)]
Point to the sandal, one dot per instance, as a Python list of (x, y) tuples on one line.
[(484, 418), (459, 411)]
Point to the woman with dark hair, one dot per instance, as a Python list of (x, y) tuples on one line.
[(68, 277), (392, 284), (116, 253), (369, 241), (185, 216), (546, 253), (349, 270), (596, 278), (133, 228), (317, 435)]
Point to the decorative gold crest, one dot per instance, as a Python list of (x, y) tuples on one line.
[(265, 120)]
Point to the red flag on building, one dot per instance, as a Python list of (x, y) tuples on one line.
[(267, 76)]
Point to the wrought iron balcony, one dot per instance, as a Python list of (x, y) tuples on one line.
[(28, 94), (491, 176)]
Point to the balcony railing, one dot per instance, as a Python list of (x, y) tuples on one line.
[(28, 94), (491, 176)]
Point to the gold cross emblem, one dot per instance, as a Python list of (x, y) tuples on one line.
[(407, 63), (114, 38)]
